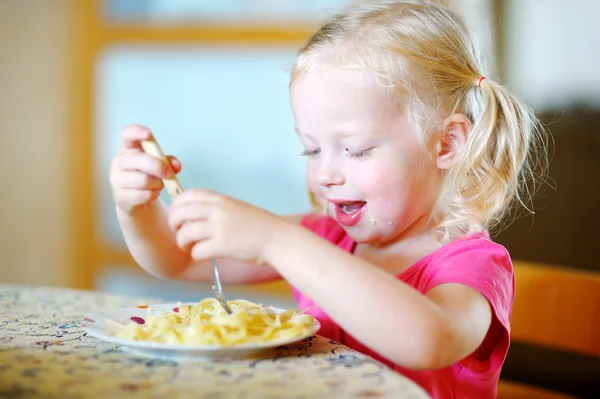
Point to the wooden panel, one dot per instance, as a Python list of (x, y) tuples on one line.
[(557, 307), (203, 34), (85, 46)]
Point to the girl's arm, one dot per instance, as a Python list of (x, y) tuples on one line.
[(152, 244), (413, 330)]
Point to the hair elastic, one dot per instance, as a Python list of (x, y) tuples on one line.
[(481, 79)]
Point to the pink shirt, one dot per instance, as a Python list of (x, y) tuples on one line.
[(474, 261)]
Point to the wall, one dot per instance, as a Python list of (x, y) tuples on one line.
[(550, 60), (34, 236), (552, 52)]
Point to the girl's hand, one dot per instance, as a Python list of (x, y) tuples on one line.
[(208, 224), (135, 177)]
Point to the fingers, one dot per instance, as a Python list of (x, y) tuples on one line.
[(132, 197), (198, 195), (141, 162), (195, 238), (175, 164), (192, 233), (191, 216), (133, 134), (203, 250), (131, 138), (187, 212), (135, 176), (193, 205), (136, 180)]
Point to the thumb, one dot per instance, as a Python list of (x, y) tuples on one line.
[(175, 164)]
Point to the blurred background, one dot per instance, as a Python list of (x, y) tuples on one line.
[(210, 77)]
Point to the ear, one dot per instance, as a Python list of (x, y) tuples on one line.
[(451, 141)]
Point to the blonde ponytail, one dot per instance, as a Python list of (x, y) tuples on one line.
[(499, 163)]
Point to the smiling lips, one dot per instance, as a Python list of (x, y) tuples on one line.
[(349, 213)]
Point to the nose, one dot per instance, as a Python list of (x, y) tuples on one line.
[(329, 175)]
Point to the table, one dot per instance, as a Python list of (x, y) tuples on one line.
[(45, 354)]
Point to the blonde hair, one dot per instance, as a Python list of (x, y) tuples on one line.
[(423, 53)]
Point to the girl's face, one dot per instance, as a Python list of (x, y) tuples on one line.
[(365, 164)]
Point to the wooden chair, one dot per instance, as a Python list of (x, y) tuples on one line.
[(555, 334)]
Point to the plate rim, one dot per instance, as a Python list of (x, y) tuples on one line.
[(87, 327)]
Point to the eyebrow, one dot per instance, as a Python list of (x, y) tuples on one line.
[(339, 133)]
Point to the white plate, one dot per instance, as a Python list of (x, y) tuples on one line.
[(96, 326)]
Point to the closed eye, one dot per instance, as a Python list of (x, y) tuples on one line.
[(311, 153), (360, 154)]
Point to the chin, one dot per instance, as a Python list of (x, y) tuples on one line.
[(362, 234)]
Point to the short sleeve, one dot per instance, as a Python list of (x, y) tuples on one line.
[(486, 267), (329, 229)]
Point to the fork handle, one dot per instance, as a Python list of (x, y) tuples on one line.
[(172, 184)]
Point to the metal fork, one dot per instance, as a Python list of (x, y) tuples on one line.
[(217, 288), (174, 188)]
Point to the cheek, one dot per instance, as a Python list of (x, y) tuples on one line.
[(315, 189), (377, 180), (386, 188), (310, 179), (401, 193)]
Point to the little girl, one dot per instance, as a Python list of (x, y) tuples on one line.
[(412, 154)]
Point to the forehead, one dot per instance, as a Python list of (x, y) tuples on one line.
[(339, 96)]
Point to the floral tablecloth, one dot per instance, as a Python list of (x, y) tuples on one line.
[(45, 354)]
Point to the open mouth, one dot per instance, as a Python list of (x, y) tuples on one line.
[(351, 208), (349, 213)]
